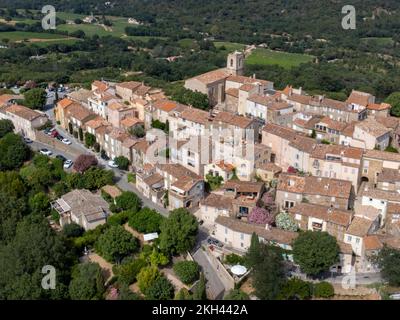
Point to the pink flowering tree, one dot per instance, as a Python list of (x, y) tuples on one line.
[(261, 216)]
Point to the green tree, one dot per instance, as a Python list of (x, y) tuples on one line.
[(178, 232), (6, 126), (388, 260), (146, 277), (315, 252), (268, 273), (394, 100), (187, 271), (253, 254), (214, 181), (72, 230), (138, 132), (183, 294), (200, 289), (13, 152), (90, 139), (160, 289), (127, 272), (125, 293), (122, 162), (115, 244), (87, 282), (236, 294), (129, 201), (146, 220), (295, 289), (323, 289), (40, 204), (35, 98)]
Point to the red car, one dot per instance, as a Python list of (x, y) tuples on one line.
[(54, 134)]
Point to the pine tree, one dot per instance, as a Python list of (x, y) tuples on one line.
[(253, 254)]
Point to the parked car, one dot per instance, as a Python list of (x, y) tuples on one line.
[(104, 156), (68, 164), (215, 242), (47, 131), (60, 137), (54, 133), (66, 141), (27, 140), (61, 157), (46, 152), (112, 164)]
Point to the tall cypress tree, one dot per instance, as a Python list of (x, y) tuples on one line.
[(253, 254)]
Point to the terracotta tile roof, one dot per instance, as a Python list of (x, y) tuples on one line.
[(142, 90), (283, 132), (64, 103), (378, 106), (177, 171), (232, 119), (244, 186), (244, 80), (348, 131), (141, 146), (260, 99), (372, 127), (333, 124), (270, 166), (212, 76), (113, 191), (272, 234), (372, 242), (131, 121), (167, 105), (393, 242), (96, 123), (153, 179), (388, 122), (314, 185), (360, 98), (6, 98), (233, 92), (393, 208), (247, 87), (78, 112), (366, 211), (345, 248), (118, 106), (382, 155), (304, 144), (100, 85), (131, 85), (217, 201), (225, 166), (335, 216), (300, 98), (129, 142), (389, 175), (359, 227), (380, 194), (185, 183), (81, 95), (23, 112), (196, 115), (322, 150)]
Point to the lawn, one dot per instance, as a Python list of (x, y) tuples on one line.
[(283, 59), (230, 46), (22, 35)]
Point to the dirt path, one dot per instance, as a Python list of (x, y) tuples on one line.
[(45, 40)]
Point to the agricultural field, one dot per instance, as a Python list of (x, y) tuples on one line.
[(283, 59), (18, 36), (230, 46)]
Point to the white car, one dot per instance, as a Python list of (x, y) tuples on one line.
[(66, 141), (112, 164), (68, 164), (46, 152)]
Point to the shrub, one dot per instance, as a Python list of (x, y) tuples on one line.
[(323, 290), (233, 259), (73, 230), (160, 289), (122, 162), (118, 219), (261, 216), (187, 271), (129, 201), (295, 289), (128, 272)]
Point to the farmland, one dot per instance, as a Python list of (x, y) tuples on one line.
[(283, 59)]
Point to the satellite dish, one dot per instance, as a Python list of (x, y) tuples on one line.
[(238, 270)]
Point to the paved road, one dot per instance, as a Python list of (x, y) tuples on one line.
[(215, 287)]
